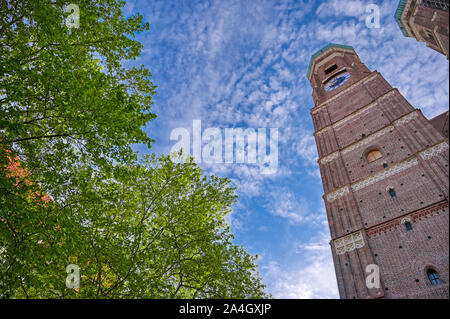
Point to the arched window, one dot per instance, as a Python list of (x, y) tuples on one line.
[(433, 276), (373, 155)]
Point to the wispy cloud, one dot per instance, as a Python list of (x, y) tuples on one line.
[(294, 208), (243, 64), (337, 8), (312, 278)]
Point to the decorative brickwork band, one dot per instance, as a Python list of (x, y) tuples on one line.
[(349, 243), (329, 158), (337, 193), (385, 173), (368, 139), (434, 150), (401, 121), (405, 119), (415, 216), (426, 154)]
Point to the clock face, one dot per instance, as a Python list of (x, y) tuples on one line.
[(337, 82)]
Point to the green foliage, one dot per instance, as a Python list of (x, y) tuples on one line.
[(69, 111), (153, 229), (65, 96)]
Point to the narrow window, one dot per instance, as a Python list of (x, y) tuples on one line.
[(373, 155), (331, 69), (385, 165), (433, 276), (392, 192), (408, 226)]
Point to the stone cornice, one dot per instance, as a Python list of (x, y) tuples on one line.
[(368, 78)]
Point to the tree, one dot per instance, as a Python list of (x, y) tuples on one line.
[(149, 229), (32, 231), (66, 101), (65, 96), (72, 191)]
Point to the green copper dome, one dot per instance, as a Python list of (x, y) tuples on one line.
[(398, 16)]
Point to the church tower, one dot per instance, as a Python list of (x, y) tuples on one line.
[(384, 169), (426, 21)]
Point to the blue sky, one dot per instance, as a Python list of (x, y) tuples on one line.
[(235, 63)]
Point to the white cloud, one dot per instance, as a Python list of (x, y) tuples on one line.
[(294, 208), (314, 278), (244, 64), (339, 8), (305, 147)]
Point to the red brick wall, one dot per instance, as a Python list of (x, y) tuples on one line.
[(404, 269)]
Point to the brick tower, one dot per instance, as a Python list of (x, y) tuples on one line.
[(425, 20), (384, 170)]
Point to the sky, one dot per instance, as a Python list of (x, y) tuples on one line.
[(243, 64)]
